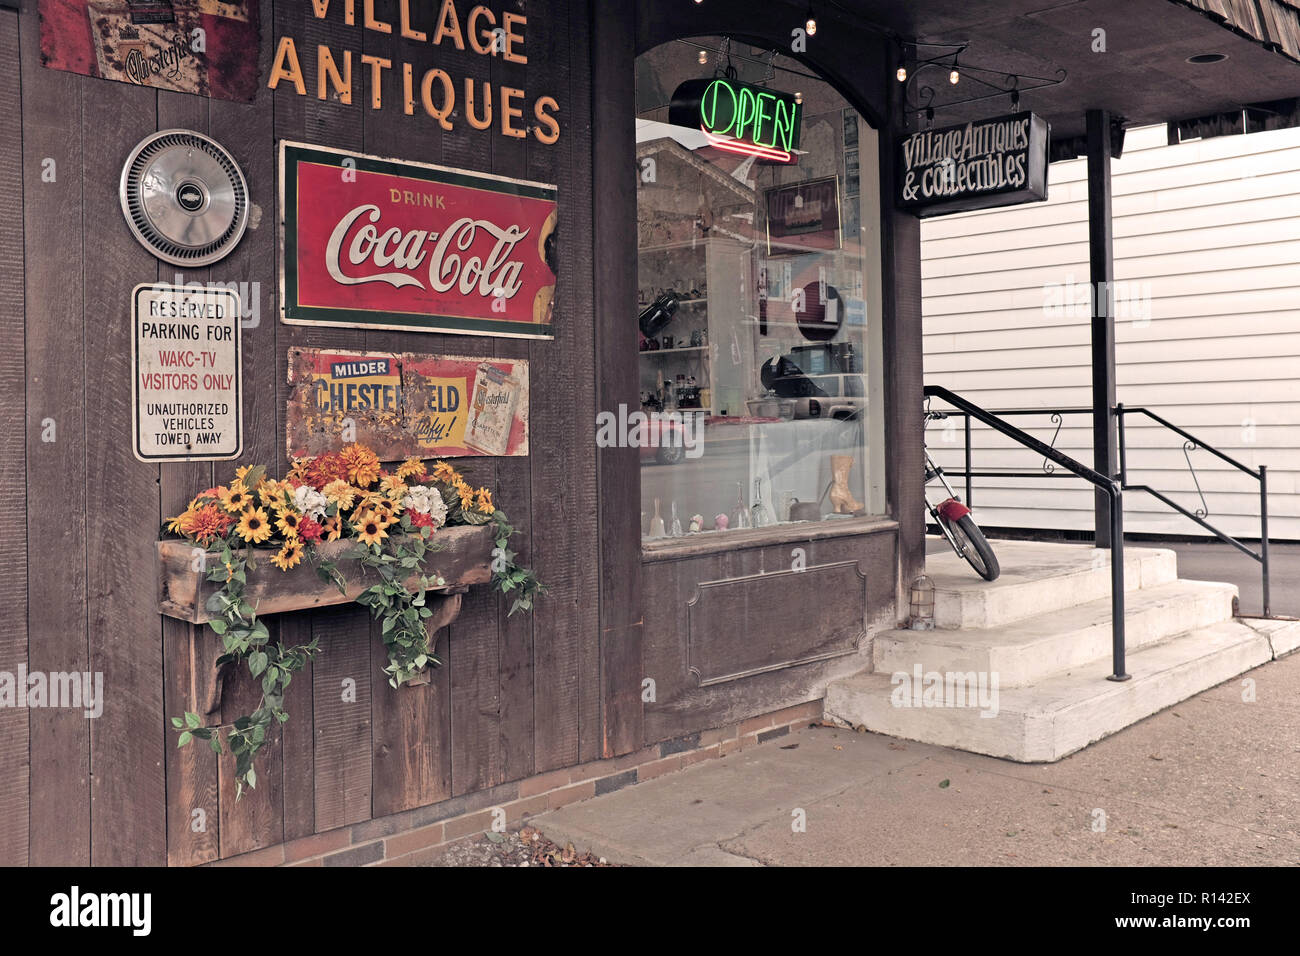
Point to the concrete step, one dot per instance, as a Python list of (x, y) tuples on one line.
[(1037, 577), (1060, 714), (1035, 647)]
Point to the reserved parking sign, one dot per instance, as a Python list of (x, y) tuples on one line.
[(185, 361)]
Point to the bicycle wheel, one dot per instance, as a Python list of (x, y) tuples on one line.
[(975, 548)]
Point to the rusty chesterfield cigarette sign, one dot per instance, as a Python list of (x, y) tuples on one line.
[(377, 243), (406, 404)]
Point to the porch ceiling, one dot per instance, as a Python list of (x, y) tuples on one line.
[(1143, 76)]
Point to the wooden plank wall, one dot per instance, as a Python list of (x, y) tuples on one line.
[(517, 695), (14, 736)]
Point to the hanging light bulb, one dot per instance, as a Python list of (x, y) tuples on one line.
[(811, 25), (902, 74), (798, 98), (954, 76), (704, 57)]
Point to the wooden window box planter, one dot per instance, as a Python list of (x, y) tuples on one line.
[(183, 592)]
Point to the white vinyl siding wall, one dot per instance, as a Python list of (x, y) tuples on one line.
[(1210, 232)]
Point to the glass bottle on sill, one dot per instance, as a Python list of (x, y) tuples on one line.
[(743, 517)]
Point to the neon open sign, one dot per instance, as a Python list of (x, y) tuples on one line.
[(739, 117)]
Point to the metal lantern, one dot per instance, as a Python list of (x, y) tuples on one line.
[(922, 604), (184, 197)]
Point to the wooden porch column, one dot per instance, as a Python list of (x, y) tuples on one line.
[(614, 262), (1101, 254)]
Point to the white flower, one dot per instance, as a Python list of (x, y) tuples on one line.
[(310, 502), (428, 501)]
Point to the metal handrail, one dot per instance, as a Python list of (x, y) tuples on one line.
[(1260, 475), (1109, 485)]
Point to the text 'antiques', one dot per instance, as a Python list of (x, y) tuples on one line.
[(445, 98)]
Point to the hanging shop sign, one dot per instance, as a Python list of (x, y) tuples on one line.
[(739, 117), (803, 217), (208, 47), (407, 405), (185, 381), (382, 244), (994, 162)]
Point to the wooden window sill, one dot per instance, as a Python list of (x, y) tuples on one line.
[(695, 545)]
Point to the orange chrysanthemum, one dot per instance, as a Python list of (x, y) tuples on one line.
[(362, 464)]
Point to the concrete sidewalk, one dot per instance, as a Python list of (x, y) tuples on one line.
[(1214, 780)]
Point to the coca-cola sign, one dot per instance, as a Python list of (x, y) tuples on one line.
[(378, 243)]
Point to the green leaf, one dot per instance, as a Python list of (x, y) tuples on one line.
[(192, 720), (185, 738), (257, 663), (177, 723)]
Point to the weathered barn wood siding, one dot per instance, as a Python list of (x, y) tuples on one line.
[(14, 438), (517, 695), (1209, 232)]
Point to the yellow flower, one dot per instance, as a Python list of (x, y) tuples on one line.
[(254, 526), (298, 470), (235, 498), (465, 491), (393, 486), (242, 472), (332, 528), (370, 528), (289, 555), (485, 501), (340, 492), (174, 524), (288, 522), (275, 493), (444, 472), (411, 468)]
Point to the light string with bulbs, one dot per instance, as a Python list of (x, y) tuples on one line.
[(1007, 84), (1012, 84)]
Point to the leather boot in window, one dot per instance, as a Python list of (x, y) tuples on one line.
[(841, 498)]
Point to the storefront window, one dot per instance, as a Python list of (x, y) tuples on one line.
[(759, 294)]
